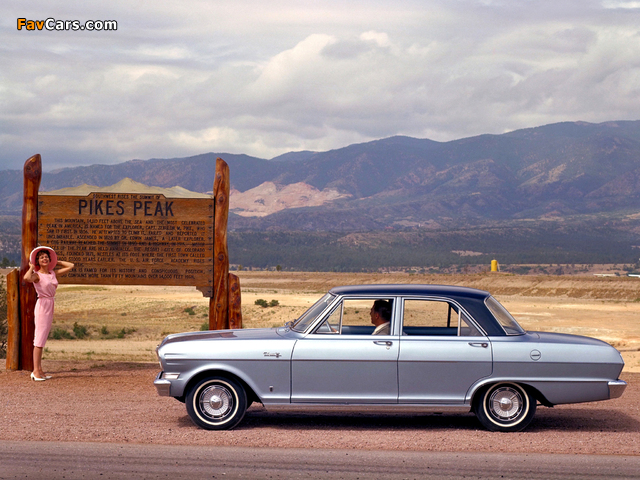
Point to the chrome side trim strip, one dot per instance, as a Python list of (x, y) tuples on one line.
[(616, 388), (389, 408)]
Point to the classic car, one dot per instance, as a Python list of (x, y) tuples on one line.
[(445, 349)]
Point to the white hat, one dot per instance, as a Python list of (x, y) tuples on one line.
[(52, 256)]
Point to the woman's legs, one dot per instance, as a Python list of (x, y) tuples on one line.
[(37, 362)]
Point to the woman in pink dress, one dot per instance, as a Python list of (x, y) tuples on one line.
[(42, 261)]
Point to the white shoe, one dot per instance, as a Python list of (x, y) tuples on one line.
[(37, 379)]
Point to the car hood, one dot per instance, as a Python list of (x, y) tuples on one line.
[(247, 334)]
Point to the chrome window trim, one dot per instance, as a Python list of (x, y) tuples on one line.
[(328, 311), (448, 300), (499, 322), (311, 326)]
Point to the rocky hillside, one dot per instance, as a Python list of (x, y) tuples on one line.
[(548, 172)]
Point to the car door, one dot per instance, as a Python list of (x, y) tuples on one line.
[(342, 362), (442, 353)]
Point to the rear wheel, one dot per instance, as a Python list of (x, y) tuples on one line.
[(216, 403), (505, 407)]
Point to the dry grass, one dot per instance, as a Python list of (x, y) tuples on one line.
[(606, 308)]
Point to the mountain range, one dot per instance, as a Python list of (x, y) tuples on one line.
[(562, 169), (562, 189)]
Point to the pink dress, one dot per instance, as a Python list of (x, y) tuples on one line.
[(46, 290)]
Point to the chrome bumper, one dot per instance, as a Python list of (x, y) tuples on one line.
[(616, 388), (164, 386)]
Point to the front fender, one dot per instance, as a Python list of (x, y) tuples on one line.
[(269, 379)]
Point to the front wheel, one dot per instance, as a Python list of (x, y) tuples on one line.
[(216, 403), (505, 407)]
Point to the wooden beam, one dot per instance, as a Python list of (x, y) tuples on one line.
[(221, 188), (235, 302), (32, 177), (13, 320)]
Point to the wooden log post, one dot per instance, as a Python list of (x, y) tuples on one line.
[(219, 303), (13, 320), (235, 302), (32, 177)]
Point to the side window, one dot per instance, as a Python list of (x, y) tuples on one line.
[(352, 317), (332, 323), (435, 317)]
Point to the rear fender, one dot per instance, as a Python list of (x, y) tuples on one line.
[(481, 385)]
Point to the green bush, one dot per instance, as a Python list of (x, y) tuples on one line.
[(80, 331), (264, 304), (125, 331), (60, 334), (190, 311)]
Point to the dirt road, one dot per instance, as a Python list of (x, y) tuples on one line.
[(116, 402)]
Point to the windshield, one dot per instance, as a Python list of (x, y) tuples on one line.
[(511, 327), (310, 315)]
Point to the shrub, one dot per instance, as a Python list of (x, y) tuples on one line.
[(125, 331), (204, 326), (60, 333), (264, 304), (190, 311), (80, 331)]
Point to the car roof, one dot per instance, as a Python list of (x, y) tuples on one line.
[(409, 290)]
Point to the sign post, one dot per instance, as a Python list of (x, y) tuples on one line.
[(27, 293), (152, 236)]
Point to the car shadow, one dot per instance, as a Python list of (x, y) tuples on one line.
[(258, 417), (583, 419), (546, 419)]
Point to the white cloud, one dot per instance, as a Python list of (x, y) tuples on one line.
[(618, 4), (382, 39), (182, 78)]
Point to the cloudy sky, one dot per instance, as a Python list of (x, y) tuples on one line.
[(179, 78)]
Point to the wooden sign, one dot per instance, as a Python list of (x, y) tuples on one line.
[(130, 238)]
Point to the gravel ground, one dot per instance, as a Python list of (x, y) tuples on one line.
[(117, 402)]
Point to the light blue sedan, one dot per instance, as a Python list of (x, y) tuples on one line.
[(389, 348)]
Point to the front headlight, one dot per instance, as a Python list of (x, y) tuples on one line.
[(170, 376)]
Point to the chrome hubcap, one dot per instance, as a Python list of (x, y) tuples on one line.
[(216, 401), (506, 403)]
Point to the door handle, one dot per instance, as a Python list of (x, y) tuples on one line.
[(385, 343), (479, 344)]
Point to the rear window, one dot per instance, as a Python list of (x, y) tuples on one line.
[(509, 324)]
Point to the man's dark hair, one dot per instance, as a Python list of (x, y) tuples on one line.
[(383, 307)]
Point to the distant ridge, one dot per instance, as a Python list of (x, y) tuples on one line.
[(543, 173), (567, 193), (126, 185)]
